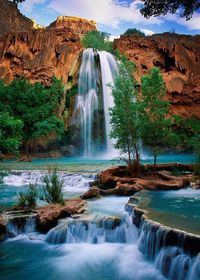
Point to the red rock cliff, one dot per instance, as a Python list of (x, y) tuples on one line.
[(39, 54), (178, 57), (11, 20)]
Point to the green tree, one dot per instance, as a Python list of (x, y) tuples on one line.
[(156, 125), (131, 31), (38, 108), (97, 40), (10, 133), (125, 122), (162, 7)]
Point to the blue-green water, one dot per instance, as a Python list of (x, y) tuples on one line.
[(29, 256), (179, 209), (73, 185), (93, 165)]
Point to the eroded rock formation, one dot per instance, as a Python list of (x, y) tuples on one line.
[(39, 54), (11, 20), (178, 57)]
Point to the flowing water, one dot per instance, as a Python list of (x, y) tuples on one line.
[(102, 244), (94, 100)]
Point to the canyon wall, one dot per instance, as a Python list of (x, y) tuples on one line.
[(178, 57), (11, 20), (35, 53)]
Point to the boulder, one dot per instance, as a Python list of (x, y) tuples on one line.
[(93, 192), (48, 216)]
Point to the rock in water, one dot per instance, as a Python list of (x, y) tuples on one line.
[(48, 216)]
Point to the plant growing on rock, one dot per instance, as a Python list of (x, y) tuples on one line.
[(125, 121), (28, 199), (52, 189)]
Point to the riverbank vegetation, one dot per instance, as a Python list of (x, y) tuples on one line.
[(29, 115), (143, 115), (50, 192)]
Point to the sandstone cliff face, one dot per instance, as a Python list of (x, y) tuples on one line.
[(39, 54), (79, 26), (11, 20), (178, 57)]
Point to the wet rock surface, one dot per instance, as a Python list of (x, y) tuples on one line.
[(47, 216)]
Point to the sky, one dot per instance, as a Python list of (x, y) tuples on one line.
[(112, 16)]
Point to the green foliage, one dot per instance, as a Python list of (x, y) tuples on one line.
[(34, 107), (188, 134), (160, 7), (125, 122), (28, 199), (132, 31), (97, 40), (10, 133), (52, 189), (155, 126)]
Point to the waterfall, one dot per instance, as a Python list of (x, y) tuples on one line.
[(87, 100), (93, 101), (108, 70)]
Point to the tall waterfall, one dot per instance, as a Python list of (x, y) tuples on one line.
[(94, 100)]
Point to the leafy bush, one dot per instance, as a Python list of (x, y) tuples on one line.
[(97, 40), (29, 114), (52, 189), (28, 198), (132, 31)]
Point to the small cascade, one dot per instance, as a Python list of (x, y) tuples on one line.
[(20, 225), (72, 182), (96, 230), (93, 101), (174, 253), (174, 264)]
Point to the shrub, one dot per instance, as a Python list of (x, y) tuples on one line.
[(28, 199), (52, 189), (132, 31)]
